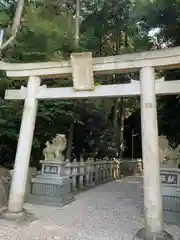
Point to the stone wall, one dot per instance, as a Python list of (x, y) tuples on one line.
[(5, 180)]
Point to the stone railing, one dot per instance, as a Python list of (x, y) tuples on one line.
[(89, 173), (86, 174), (83, 174)]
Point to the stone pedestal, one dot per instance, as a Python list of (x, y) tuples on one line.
[(51, 187), (142, 235), (170, 178)]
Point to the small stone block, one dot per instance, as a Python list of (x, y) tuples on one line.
[(82, 71), (141, 235)]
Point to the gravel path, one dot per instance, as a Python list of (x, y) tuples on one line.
[(108, 212)]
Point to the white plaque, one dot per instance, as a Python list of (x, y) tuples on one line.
[(82, 71)]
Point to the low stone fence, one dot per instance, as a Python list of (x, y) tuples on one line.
[(82, 175), (85, 174), (89, 173)]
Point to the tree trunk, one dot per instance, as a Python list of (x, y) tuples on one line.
[(77, 22), (70, 141), (121, 129), (16, 24), (116, 127), (119, 126), (126, 38)]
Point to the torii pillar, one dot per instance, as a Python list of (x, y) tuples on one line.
[(19, 179), (153, 209)]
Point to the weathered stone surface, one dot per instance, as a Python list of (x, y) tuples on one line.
[(156, 236), (5, 180)]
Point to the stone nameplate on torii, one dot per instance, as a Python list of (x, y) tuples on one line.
[(82, 71)]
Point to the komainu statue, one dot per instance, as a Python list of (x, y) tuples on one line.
[(167, 154), (53, 150)]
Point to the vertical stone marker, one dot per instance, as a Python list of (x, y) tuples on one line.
[(153, 211)]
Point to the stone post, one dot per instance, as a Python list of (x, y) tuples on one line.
[(102, 171), (68, 171), (118, 168), (111, 170), (105, 171), (21, 167), (114, 168), (68, 168), (88, 169), (74, 175), (96, 172), (82, 173), (150, 148), (92, 183)]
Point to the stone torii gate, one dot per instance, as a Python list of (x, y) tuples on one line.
[(82, 67)]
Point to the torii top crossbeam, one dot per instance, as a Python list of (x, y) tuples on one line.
[(166, 58), (82, 67)]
